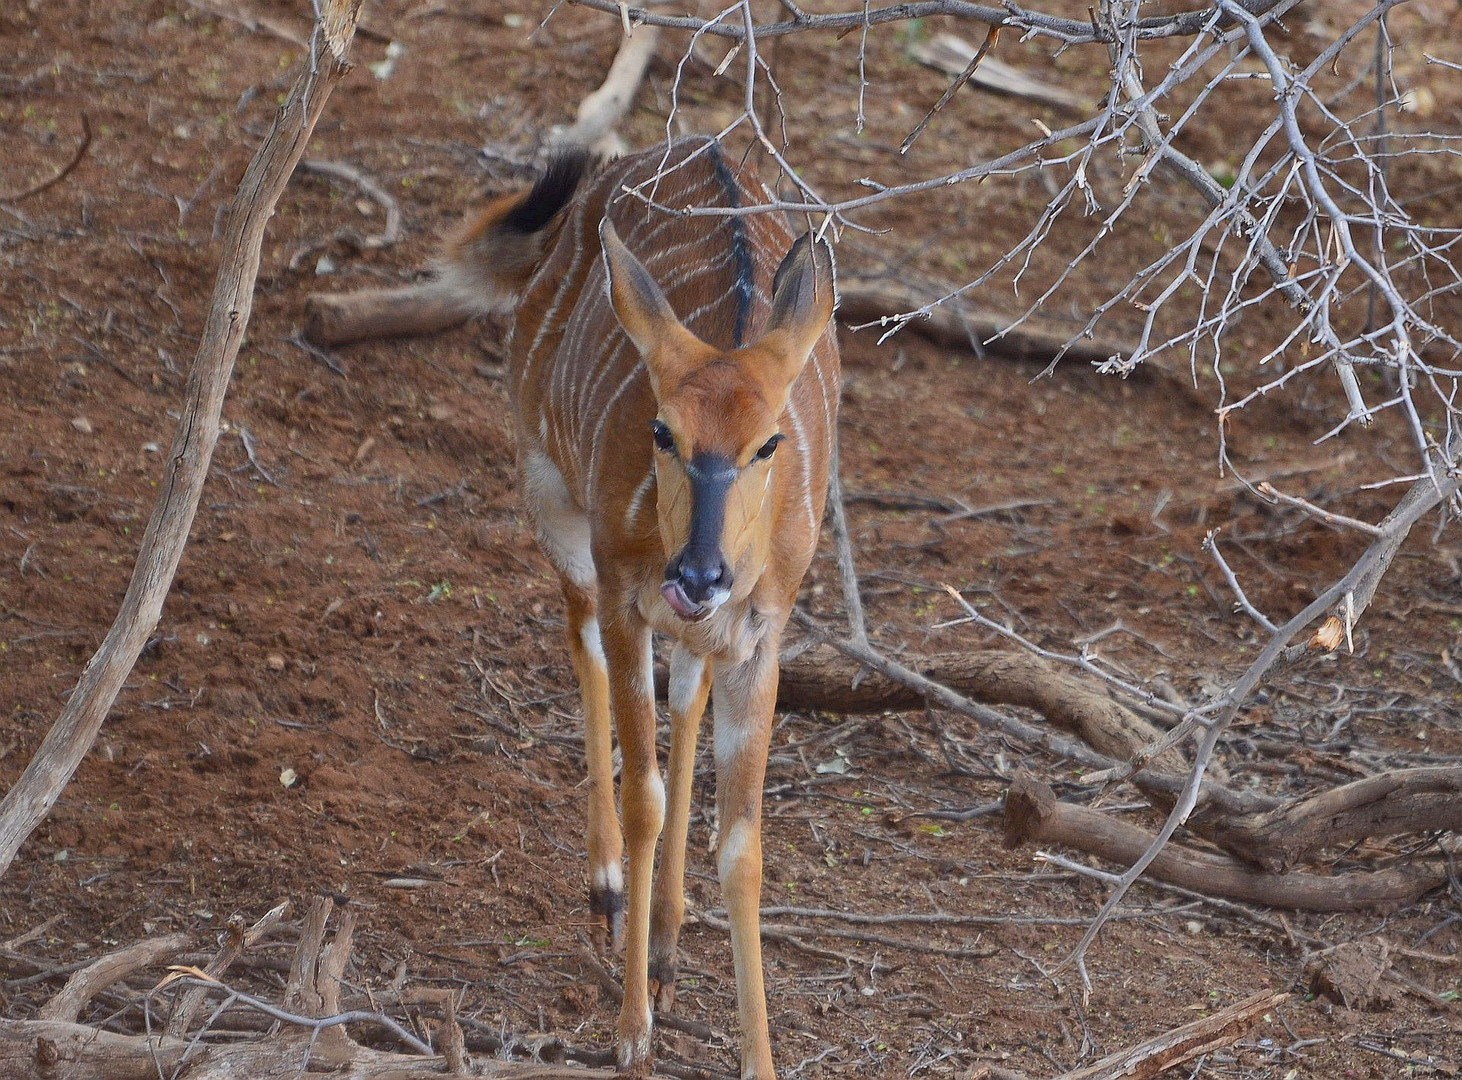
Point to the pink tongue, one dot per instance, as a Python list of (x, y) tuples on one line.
[(675, 596)]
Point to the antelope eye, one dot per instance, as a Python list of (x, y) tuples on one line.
[(767, 448), (664, 441)]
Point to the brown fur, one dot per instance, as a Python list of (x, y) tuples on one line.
[(598, 351)]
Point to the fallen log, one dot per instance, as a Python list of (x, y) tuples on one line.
[(1033, 815), (428, 307), (879, 300), (1401, 801), (431, 306), (91, 980), (822, 678), (951, 54), (600, 113), (57, 1049)]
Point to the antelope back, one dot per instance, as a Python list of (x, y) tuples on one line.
[(583, 395)]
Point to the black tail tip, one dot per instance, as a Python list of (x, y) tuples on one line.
[(552, 192)]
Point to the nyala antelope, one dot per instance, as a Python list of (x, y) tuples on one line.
[(675, 387)]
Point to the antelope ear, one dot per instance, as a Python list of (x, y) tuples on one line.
[(803, 299), (641, 307)]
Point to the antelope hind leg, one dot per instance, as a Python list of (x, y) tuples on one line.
[(606, 879)]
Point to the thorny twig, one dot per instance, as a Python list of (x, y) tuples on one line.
[(1210, 545)]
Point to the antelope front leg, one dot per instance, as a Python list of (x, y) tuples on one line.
[(606, 880), (743, 698), (642, 810), (690, 682)]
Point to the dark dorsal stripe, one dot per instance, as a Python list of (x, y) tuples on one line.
[(740, 253)]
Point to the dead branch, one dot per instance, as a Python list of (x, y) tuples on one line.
[(301, 990), (864, 300), (600, 113), (822, 679), (33, 795), (78, 1052), (1033, 815), (427, 307), (55, 1046), (1402, 801), (61, 173), (254, 23), (1351, 595), (1161, 786), (39, 930), (339, 170), (42, 1048), (963, 71), (954, 56), (837, 525), (110, 969), (236, 940), (1172, 1048)]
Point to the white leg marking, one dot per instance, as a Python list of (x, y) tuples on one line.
[(657, 792), (631, 1053), (608, 878), (733, 847), (731, 738), (686, 672), (593, 644)]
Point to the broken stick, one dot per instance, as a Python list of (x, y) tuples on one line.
[(1182, 1044), (1033, 815)]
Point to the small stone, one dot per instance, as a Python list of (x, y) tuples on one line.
[(82, 424), (275, 662)]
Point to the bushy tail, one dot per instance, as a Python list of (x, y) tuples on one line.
[(488, 263)]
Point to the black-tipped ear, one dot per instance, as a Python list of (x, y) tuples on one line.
[(666, 346), (802, 294), (636, 297)]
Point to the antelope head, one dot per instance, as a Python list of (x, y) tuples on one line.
[(716, 428)]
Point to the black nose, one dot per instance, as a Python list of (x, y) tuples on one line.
[(699, 573)]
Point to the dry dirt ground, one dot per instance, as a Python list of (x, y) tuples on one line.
[(362, 607)]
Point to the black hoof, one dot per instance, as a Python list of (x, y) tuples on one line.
[(662, 982), (610, 904)]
